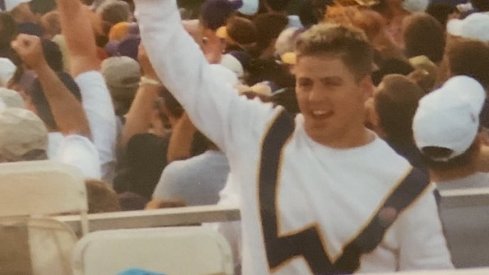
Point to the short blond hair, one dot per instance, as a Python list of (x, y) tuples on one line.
[(347, 42)]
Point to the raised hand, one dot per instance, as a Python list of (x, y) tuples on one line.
[(29, 48)]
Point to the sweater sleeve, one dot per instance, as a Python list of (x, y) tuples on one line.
[(214, 107), (421, 237)]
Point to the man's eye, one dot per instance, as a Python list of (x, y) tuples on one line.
[(304, 83)]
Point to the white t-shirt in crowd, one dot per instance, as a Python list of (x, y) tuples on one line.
[(334, 191), (77, 151), (98, 106), (196, 181)]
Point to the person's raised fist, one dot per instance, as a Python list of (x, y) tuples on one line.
[(29, 48)]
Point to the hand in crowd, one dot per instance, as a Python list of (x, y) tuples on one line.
[(29, 48)]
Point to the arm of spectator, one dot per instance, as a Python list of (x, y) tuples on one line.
[(76, 26), (79, 35), (181, 139), (67, 110), (138, 118), (213, 106)]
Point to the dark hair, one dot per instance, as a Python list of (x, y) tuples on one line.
[(440, 11), (41, 104), (53, 55), (424, 35), (241, 30), (391, 66), (101, 198), (480, 5), (311, 12), (269, 26), (214, 13), (277, 5), (8, 29), (348, 43), (470, 58), (466, 158), (396, 103), (42, 6)]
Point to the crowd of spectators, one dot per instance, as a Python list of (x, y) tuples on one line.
[(331, 124)]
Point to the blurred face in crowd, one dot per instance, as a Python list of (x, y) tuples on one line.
[(331, 99)]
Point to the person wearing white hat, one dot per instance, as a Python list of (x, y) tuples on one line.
[(446, 127), (474, 27)]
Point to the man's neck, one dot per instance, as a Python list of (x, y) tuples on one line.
[(452, 174)]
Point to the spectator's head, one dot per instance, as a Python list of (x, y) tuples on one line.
[(311, 12), (470, 58), (391, 66), (371, 22), (101, 198), (119, 31), (441, 12), (446, 124), (23, 136), (30, 28), (425, 72), (51, 24), (395, 102), (22, 13), (38, 103), (269, 26), (332, 71), (239, 31), (122, 76), (11, 98), (8, 29), (215, 13), (114, 12), (423, 35)]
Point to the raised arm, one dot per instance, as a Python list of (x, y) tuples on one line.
[(67, 110), (212, 104), (77, 28), (138, 118), (80, 38)]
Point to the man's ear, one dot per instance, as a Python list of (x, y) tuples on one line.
[(367, 87)]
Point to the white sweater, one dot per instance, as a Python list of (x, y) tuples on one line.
[(335, 190)]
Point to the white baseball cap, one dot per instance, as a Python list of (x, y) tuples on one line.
[(449, 117), (7, 71), (474, 26)]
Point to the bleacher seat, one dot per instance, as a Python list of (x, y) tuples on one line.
[(169, 250), (32, 242)]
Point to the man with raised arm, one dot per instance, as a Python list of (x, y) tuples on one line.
[(320, 193), (85, 65), (60, 110)]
